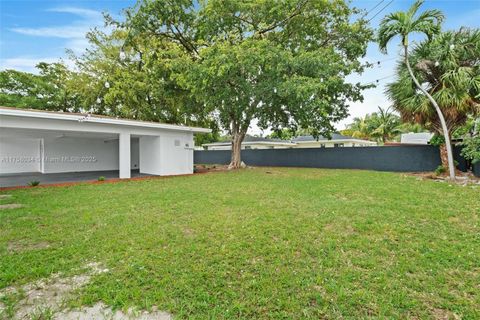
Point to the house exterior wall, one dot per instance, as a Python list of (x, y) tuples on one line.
[(19, 155), (172, 154), (150, 155), (79, 154), (176, 155), (167, 154)]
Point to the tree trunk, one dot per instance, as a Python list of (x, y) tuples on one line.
[(448, 144), (236, 159), (444, 155)]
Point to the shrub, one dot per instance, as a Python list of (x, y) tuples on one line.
[(34, 183), (440, 169), (471, 148), (101, 178)]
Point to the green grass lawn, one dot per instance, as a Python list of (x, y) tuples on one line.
[(257, 243)]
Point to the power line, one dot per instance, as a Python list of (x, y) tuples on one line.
[(381, 61), (368, 12), (384, 7), (378, 80)]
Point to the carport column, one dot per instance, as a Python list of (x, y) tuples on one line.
[(124, 155)]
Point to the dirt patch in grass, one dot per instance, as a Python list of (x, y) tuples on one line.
[(15, 246), (442, 314), (462, 178), (48, 295), (45, 299), (101, 311), (10, 206), (5, 196), (204, 168)]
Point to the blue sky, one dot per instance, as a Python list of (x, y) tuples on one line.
[(34, 30)]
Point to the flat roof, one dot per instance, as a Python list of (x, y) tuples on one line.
[(95, 118)]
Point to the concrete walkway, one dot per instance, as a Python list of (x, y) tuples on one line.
[(23, 179)]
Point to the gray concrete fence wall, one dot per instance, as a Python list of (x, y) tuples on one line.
[(413, 158)]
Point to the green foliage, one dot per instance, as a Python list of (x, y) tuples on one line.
[(402, 23), (282, 63), (101, 178), (446, 67), (51, 89), (437, 140), (34, 183), (288, 133), (440, 170), (382, 126), (207, 138), (471, 148)]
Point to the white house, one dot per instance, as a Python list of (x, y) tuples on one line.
[(251, 142), (336, 140), (416, 138), (55, 142)]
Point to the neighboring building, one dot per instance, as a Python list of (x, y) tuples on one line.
[(337, 140), (55, 142), (416, 138), (251, 143)]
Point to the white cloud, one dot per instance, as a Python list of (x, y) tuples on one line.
[(73, 34), (66, 32), (86, 13), (26, 64)]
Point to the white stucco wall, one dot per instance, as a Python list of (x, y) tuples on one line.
[(150, 155), (167, 154), (80, 154), (85, 154), (176, 155), (19, 155)]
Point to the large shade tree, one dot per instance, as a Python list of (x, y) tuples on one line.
[(404, 24), (132, 77), (49, 89), (448, 67), (282, 63)]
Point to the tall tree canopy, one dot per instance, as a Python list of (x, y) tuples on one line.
[(283, 63), (50, 89)]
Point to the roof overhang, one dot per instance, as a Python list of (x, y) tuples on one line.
[(87, 118)]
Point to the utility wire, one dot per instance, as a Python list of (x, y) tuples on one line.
[(381, 61), (384, 7), (378, 80), (368, 12)]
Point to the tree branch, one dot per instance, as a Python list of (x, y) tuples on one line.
[(296, 12)]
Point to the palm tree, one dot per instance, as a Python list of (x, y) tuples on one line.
[(381, 126), (403, 24), (386, 124), (359, 128), (448, 67)]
